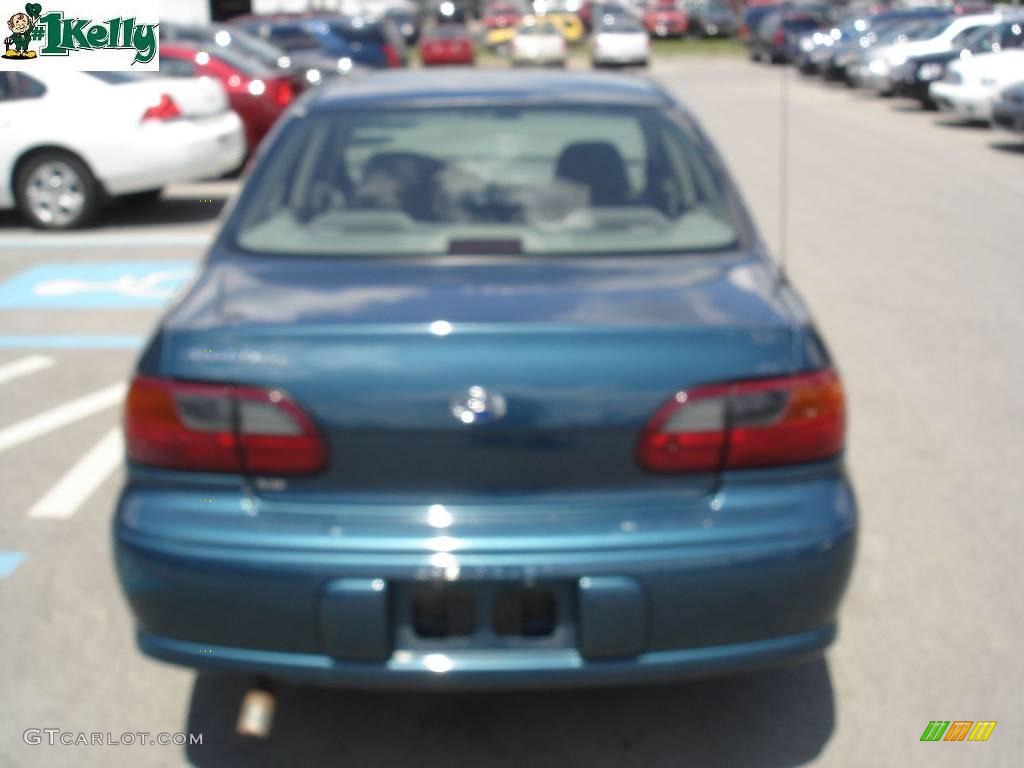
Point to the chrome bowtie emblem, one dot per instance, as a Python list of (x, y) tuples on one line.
[(478, 406)]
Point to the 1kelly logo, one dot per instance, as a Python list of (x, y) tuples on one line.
[(23, 31), (60, 36)]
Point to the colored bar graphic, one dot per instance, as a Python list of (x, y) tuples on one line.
[(982, 730), (959, 730)]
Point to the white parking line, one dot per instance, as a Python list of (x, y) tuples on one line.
[(24, 366), (105, 242), (62, 415), (72, 490)]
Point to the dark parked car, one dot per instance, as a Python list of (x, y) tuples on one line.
[(752, 17), (349, 40), (829, 53), (305, 68), (713, 18), (486, 381), (915, 76), (406, 22), (778, 35), (1008, 109)]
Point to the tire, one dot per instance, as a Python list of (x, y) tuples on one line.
[(142, 198), (55, 190)]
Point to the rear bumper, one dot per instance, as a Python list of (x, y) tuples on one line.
[(514, 670), (754, 578), (177, 151), (966, 102), (620, 57), (538, 55)]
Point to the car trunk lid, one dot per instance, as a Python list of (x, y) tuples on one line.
[(567, 361)]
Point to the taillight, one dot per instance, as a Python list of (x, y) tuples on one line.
[(392, 56), (763, 423), (219, 428), (779, 38), (165, 109), (284, 93)]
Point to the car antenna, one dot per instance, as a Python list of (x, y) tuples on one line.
[(783, 243)]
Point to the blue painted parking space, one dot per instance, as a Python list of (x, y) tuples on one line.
[(99, 285), (9, 562)]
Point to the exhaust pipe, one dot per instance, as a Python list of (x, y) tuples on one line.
[(256, 716)]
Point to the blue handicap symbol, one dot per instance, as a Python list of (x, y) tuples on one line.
[(96, 285)]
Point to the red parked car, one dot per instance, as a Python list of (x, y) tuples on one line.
[(447, 44), (500, 15), (663, 18), (259, 95)]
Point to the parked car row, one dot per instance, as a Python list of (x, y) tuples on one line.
[(967, 60), (219, 91), (151, 131)]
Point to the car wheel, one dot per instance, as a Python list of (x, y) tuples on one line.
[(55, 190), (142, 198)]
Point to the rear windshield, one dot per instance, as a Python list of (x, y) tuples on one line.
[(807, 22), (539, 29), (250, 46), (448, 32), (235, 59), (120, 78), (357, 31), (555, 180), (926, 30), (621, 24)]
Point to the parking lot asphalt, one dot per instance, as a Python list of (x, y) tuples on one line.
[(904, 236)]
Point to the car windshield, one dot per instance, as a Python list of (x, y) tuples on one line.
[(926, 30), (122, 78), (1011, 35), (237, 60), (539, 29), (893, 31), (538, 180), (356, 31), (621, 24), (250, 46), (448, 32)]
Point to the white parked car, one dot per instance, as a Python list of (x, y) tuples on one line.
[(971, 84), (619, 40), (538, 43), (928, 36), (69, 141)]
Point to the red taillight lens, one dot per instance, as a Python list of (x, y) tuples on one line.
[(392, 56), (770, 422), (284, 93), (779, 38), (165, 109), (219, 428)]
